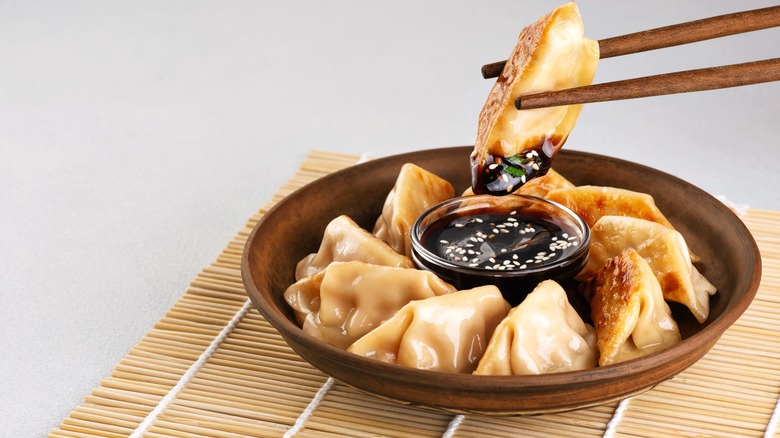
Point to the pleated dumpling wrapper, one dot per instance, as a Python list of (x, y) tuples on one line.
[(629, 312), (512, 146), (348, 299), (592, 202), (344, 241), (538, 186), (543, 334), (448, 333), (665, 251), (415, 191)]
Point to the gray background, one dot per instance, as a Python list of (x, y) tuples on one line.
[(137, 137)]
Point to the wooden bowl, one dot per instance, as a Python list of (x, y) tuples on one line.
[(294, 227)]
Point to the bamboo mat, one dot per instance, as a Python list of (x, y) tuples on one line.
[(213, 367)]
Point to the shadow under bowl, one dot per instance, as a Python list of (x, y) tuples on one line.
[(294, 228)]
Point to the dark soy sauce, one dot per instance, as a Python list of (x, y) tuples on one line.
[(503, 175), (501, 241)]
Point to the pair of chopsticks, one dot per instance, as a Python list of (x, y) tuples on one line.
[(670, 83)]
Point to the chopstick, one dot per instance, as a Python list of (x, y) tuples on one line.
[(677, 34), (712, 78)]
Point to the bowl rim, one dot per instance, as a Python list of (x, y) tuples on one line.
[(503, 384)]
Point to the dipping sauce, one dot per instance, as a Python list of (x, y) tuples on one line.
[(513, 242), (496, 175), (500, 241)]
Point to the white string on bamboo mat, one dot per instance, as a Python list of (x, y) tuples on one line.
[(309, 409), (771, 427), (187, 376), (453, 426), (609, 432)]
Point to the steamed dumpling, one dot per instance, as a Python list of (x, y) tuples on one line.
[(415, 191), (543, 334), (446, 333), (551, 54), (345, 241), (629, 312), (665, 251), (349, 299)]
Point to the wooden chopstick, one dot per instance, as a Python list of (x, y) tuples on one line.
[(712, 78), (677, 34)]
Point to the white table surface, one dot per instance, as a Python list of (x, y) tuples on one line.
[(137, 137)]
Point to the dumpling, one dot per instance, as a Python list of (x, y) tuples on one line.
[(447, 333), (415, 191), (512, 146), (345, 241), (349, 299), (538, 186), (592, 202), (665, 251), (629, 312), (543, 334)]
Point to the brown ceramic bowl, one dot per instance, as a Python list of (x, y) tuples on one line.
[(294, 227)]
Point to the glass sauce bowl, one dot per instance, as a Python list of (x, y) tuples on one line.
[(512, 241)]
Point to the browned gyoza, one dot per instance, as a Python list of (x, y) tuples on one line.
[(514, 146)]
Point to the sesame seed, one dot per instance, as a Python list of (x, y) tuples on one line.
[(460, 225), (479, 220), (493, 166), (473, 265), (511, 219)]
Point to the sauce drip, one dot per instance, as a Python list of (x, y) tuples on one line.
[(497, 175), (501, 241)]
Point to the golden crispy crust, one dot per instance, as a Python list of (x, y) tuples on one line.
[(501, 94), (513, 147)]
